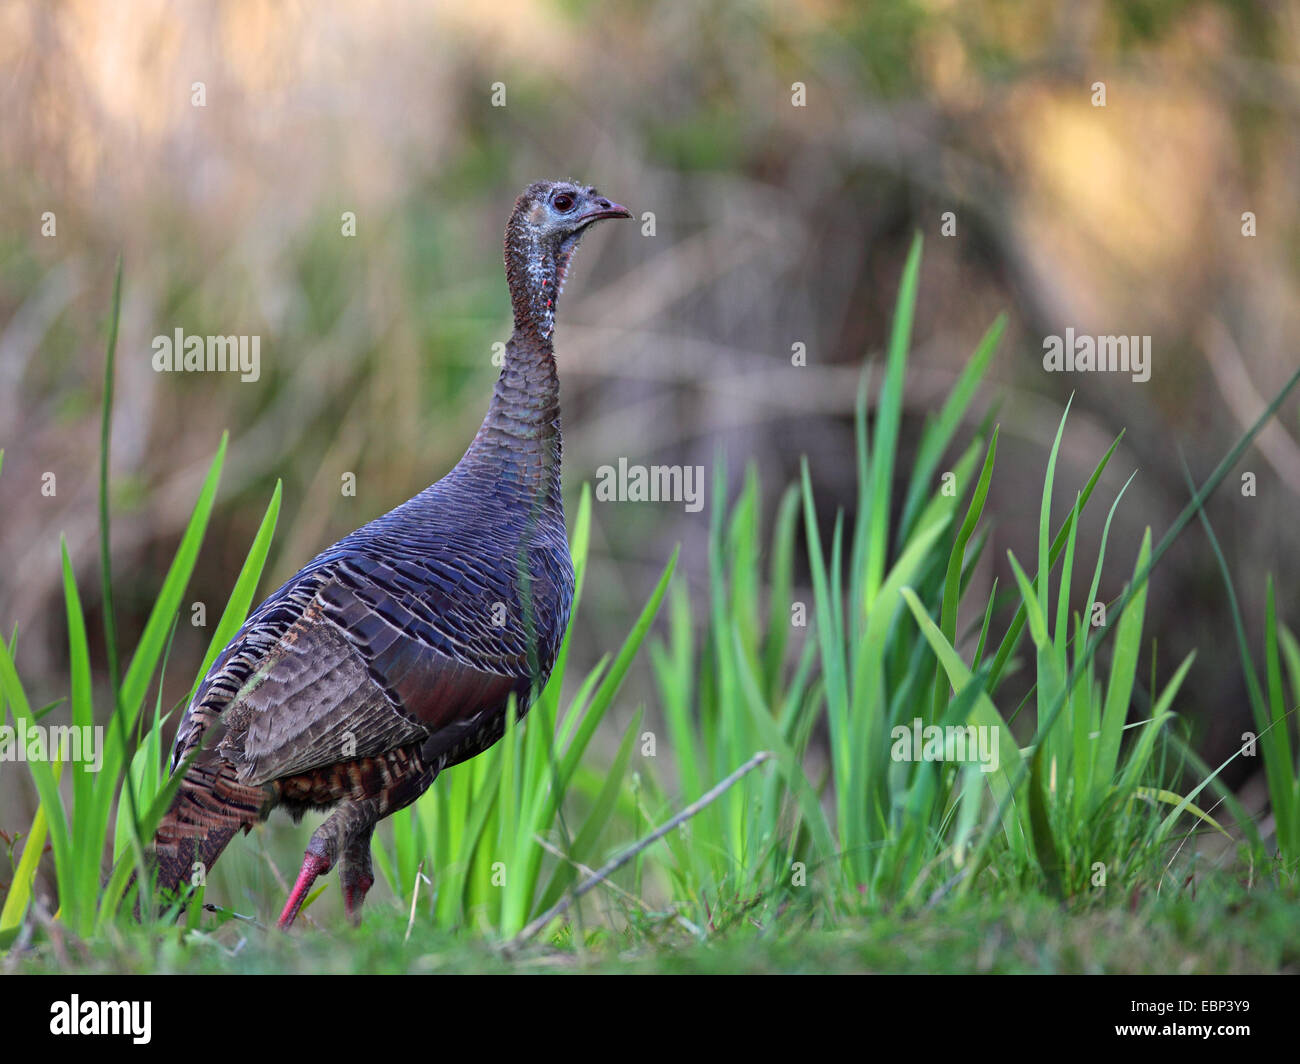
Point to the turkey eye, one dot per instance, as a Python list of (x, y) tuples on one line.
[(563, 202)]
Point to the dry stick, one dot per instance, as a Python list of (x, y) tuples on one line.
[(415, 894), (1190, 832), (618, 862), (586, 870)]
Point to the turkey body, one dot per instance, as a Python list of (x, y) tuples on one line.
[(393, 654)]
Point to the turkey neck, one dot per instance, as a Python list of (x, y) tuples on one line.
[(519, 443)]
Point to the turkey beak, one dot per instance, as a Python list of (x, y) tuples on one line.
[(603, 208)]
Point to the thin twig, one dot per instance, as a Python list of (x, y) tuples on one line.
[(611, 885), (415, 894), (618, 862)]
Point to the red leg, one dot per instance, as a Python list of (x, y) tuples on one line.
[(356, 874), (313, 865)]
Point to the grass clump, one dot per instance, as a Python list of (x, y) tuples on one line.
[(851, 831)]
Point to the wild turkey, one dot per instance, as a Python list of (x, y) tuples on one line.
[(392, 654)]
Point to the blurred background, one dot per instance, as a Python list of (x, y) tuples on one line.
[(217, 146)]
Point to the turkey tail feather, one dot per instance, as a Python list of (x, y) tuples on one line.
[(208, 810)]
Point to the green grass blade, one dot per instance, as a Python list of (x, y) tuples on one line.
[(938, 433), (91, 799), (44, 776), (584, 843), (1049, 857), (105, 437), (1009, 642), (956, 562), (241, 596), (145, 660), (889, 415), (1123, 674)]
